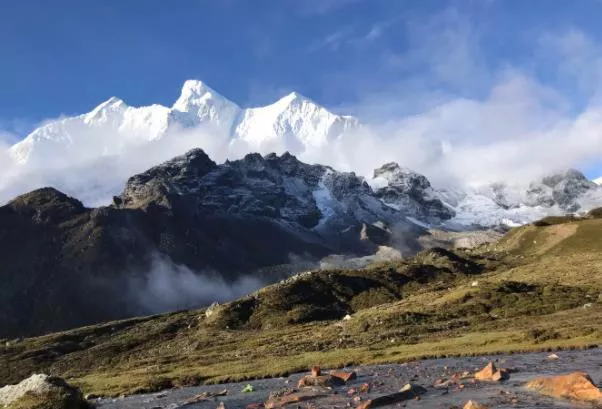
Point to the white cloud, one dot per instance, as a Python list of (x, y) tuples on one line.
[(577, 56), (447, 114)]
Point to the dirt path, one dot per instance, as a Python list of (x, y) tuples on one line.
[(385, 379)]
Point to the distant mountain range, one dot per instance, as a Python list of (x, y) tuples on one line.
[(259, 218), (189, 231), (90, 156)]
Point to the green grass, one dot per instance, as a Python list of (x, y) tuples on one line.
[(529, 295)]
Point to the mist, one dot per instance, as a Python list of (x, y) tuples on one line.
[(168, 286)]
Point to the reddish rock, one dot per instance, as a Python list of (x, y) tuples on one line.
[(316, 371), (345, 376), (491, 374), (365, 388), (577, 386), (255, 406)]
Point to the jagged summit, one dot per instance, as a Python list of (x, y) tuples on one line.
[(128, 140), (411, 192), (293, 123), (204, 105)]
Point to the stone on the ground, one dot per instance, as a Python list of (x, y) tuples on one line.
[(39, 390), (576, 386), (474, 405), (321, 380), (553, 357), (408, 392), (345, 376), (295, 397), (491, 374)]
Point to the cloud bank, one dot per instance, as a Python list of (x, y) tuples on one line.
[(459, 121)]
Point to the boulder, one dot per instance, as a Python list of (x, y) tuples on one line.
[(491, 374), (576, 386), (41, 390)]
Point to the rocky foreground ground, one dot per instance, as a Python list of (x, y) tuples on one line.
[(448, 383)]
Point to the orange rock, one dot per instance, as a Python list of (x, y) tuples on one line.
[(365, 388), (316, 371), (474, 405), (576, 386), (345, 376), (491, 374)]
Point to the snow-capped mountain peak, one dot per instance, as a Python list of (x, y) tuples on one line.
[(200, 104), (106, 111), (198, 118), (598, 181), (293, 123)]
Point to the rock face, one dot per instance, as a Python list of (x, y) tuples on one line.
[(42, 391), (563, 190), (412, 193), (61, 260), (577, 386)]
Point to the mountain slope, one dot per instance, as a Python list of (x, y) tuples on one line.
[(185, 223), (541, 296), (190, 231)]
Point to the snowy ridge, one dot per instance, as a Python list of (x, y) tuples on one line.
[(496, 204), (91, 156), (293, 123), (598, 181)]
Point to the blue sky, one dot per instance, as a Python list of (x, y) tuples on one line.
[(382, 60)]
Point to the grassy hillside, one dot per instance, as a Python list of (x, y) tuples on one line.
[(539, 287)]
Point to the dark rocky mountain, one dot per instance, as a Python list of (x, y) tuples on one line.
[(64, 265), (411, 192)]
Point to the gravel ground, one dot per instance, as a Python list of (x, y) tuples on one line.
[(385, 379)]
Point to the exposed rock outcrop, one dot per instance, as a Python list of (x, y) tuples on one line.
[(40, 391), (576, 386)]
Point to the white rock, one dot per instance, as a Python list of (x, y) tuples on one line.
[(38, 384)]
